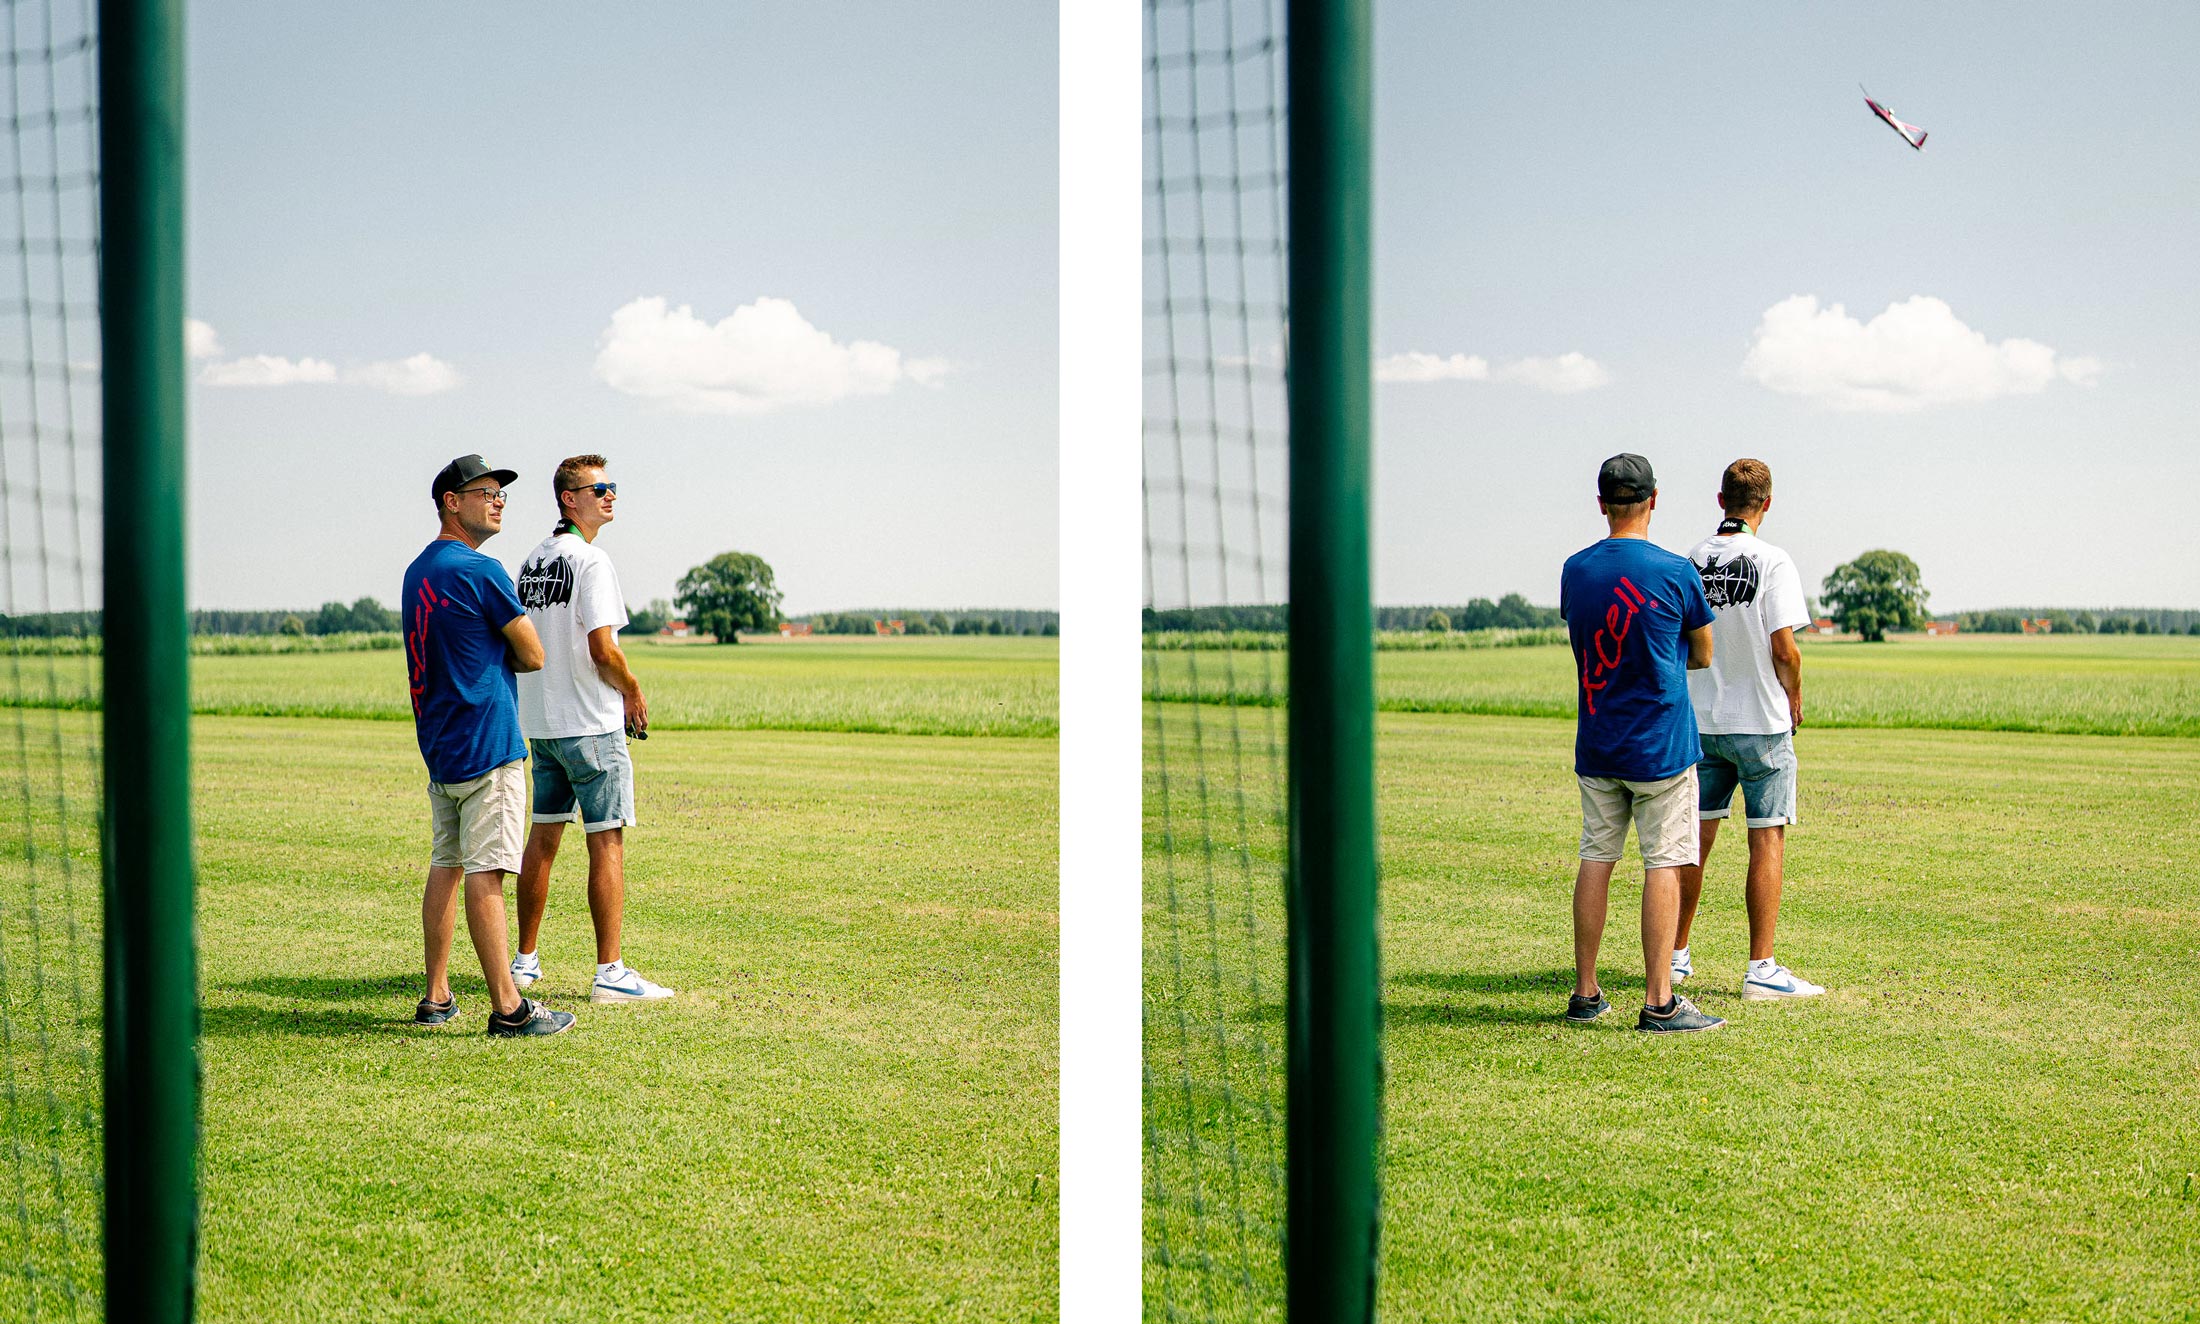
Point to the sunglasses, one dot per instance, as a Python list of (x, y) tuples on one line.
[(600, 489)]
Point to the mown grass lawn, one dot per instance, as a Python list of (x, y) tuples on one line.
[(953, 685), (1993, 1114), (847, 1114), (2073, 684)]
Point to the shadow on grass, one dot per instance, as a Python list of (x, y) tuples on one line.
[(321, 988), (318, 1006), (1497, 997), (1482, 998)]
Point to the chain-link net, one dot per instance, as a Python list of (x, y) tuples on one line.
[(50, 1258), (1215, 441)]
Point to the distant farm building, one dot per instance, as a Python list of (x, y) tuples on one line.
[(2040, 626), (1943, 627), (1823, 625), (677, 629), (890, 627), (794, 629)]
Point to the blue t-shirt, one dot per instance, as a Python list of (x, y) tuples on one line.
[(465, 699), (1628, 606)]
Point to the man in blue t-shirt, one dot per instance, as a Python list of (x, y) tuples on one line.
[(1639, 623), (465, 638)]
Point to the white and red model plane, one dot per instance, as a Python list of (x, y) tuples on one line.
[(1911, 134)]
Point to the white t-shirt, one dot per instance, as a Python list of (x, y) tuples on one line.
[(1754, 590), (568, 587)]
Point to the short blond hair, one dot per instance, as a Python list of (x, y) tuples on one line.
[(1746, 485), (563, 482)]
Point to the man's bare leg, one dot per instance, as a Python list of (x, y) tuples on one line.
[(438, 921), (606, 889), (534, 880), (1592, 892), (1707, 831), (1661, 903), (485, 925), (1767, 855)]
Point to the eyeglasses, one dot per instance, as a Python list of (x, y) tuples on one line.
[(496, 496), (600, 489)]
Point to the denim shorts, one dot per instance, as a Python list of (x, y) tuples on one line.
[(584, 779), (1763, 766)]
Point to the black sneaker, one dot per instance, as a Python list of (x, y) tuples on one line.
[(1579, 1008), (436, 1013), (1681, 1018), (531, 1018)]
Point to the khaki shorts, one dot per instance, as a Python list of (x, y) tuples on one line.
[(1664, 814), (480, 824)]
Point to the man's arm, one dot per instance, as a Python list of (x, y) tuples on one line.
[(604, 651), (1787, 665), (523, 644), (1699, 648)]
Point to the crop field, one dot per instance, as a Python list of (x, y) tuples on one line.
[(847, 1114), (2072, 684), (1994, 1113), (955, 685)]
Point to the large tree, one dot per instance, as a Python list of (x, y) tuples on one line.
[(1877, 592), (731, 592)]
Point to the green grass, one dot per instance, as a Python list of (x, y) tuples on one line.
[(923, 686), (50, 1144), (1990, 1116), (958, 685), (847, 1114), (2074, 684)]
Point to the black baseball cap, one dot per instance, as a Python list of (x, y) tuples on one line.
[(465, 469), (1626, 479)]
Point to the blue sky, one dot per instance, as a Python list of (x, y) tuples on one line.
[(412, 228), (1642, 185)]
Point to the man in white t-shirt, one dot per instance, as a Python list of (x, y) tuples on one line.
[(1748, 703), (577, 713)]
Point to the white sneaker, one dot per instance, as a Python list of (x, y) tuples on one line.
[(526, 969), (619, 984), (1683, 967), (1781, 983)]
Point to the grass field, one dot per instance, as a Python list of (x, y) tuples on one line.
[(847, 1114), (2072, 684), (957, 685), (1994, 1114)]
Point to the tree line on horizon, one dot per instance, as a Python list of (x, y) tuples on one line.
[(1511, 612), (2117, 620)]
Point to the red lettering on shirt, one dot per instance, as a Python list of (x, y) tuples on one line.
[(1619, 617), (416, 642)]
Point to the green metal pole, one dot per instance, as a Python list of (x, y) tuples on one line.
[(151, 966), (1335, 1090)]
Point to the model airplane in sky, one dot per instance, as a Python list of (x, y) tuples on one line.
[(1911, 134)]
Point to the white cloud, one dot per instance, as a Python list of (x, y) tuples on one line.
[(267, 370), (1563, 375), (1418, 366), (422, 374), (764, 356), (1916, 353), (199, 340)]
